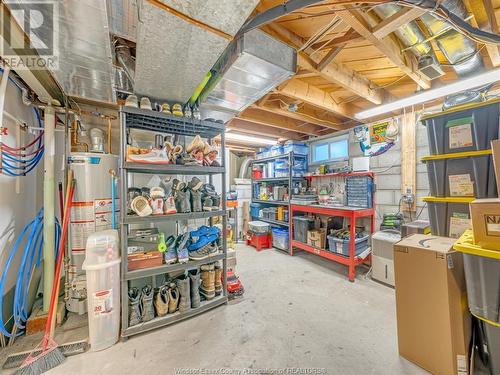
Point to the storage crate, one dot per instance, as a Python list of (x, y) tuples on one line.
[(482, 275), (359, 191), (276, 150), (258, 227), (259, 241), (296, 147), (449, 217), (472, 176), (492, 343), (281, 164), (470, 129), (280, 238), (340, 246), (301, 225), (255, 209)]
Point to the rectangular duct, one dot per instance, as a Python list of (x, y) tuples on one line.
[(250, 67), (174, 55)]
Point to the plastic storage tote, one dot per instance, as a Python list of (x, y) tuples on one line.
[(255, 209), (340, 246), (472, 176), (491, 335), (295, 147), (449, 217), (258, 227), (280, 238), (102, 267), (301, 225), (470, 129), (276, 150), (482, 275)]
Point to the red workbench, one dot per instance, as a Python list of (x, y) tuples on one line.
[(350, 212)]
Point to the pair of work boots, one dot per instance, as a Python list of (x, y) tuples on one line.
[(140, 305), (182, 295), (211, 280), (176, 249), (210, 198), (188, 196)]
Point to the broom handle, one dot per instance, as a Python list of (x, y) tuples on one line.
[(49, 331)]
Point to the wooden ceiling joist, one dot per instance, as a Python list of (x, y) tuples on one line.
[(394, 22), (387, 46), (333, 72), (349, 37), (300, 90), (276, 121), (252, 128)]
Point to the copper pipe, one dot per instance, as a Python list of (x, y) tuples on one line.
[(74, 138), (109, 135)]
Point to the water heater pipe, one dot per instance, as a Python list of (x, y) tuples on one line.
[(48, 206)]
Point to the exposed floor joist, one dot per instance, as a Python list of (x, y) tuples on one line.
[(350, 37), (394, 22), (387, 46), (252, 128)]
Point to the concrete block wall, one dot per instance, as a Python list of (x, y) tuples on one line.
[(387, 168)]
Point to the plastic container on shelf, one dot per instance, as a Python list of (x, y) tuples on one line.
[(482, 275), (281, 173), (276, 150), (301, 225), (280, 238), (449, 216), (258, 227), (470, 174), (491, 335), (300, 163), (359, 191), (256, 173), (102, 267), (341, 246), (255, 209), (296, 147), (281, 164), (469, 129), (270, 170)]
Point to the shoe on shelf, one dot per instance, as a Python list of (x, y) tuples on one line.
[(175, 153), (154, 156), (194, 279), (134, 306), (170, 255), (187, 111), (182, 201), (169, 206), (207, 203), (181, 248), (131, 101), (186, 159), (204, 252), (165, 108), (177, 185), (195, 184), (207, 287), (184, 293), (196, 204), (173, 298), (161, 301), (204, 230), (146, 103), (148, 312), (177, 110), (140, 206), (218, 279), (196, 144)]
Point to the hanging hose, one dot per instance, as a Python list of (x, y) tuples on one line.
[(31, 254)]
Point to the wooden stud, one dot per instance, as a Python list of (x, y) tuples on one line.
[(350, 36), (408, 156), (394, 22)]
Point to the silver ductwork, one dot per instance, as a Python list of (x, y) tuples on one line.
[(123, 17), (174, 55), (248, 69)]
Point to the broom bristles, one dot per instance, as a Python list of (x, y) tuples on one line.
[(50, 357)]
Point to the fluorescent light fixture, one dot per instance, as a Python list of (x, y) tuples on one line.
[(252, 141), (485, 78)]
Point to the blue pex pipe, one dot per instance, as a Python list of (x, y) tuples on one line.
[(31, 253)]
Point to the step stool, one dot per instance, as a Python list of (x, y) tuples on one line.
[(259, 241)]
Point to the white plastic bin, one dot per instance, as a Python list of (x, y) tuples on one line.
[(102, 267)]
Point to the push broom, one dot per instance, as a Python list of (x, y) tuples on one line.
[(51, 356)]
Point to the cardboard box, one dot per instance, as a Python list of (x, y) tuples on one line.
[(485, 215), (434, 324), (316, 238), (495, 147)]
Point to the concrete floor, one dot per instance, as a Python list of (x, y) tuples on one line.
[(296, 312)]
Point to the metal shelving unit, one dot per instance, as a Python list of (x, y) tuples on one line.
[(134, 118), (288, 180)]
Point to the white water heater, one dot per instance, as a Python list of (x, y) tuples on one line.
[(91, 212)]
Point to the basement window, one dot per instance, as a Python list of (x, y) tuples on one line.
[(330, 150)]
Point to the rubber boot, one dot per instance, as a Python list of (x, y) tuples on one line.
[(134, 307), (218, 280), (148, 311), (194, 278), (182, 201), (196, 201), (207, 288), (184, 293), (173, 298), (161, 301)]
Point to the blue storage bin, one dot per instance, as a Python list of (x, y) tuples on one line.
[(255, 209), (296, 147), (300, 163), (341, 247), (276, 150), (280, 238), (359, 191), (281, 164)]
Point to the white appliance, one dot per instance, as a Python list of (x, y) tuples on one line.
[(383, 255), (91, 212)]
